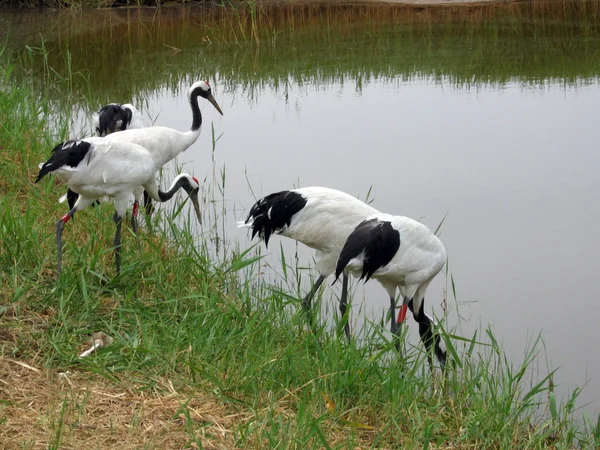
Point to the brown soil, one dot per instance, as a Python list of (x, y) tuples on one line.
[(44, 409)]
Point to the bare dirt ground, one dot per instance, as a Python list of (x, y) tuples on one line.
[(48, 409)]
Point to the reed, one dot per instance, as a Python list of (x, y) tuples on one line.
[(275, 47), (552, 7)]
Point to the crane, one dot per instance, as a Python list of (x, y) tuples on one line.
[(402, 254), (320, 218), (96, 167)]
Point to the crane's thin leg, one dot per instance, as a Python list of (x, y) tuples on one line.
[(60, 225), (306, 302), (148, 205), (393, 324), (344, 305), (394, 327), (118, 221), (134, 214), (149, 209), (134, 223)]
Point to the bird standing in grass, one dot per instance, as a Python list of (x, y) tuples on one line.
[(112, 117), (97, 167), (403, 254), (320, 218), (164, 143)]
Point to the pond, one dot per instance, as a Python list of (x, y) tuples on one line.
[(483, 116)]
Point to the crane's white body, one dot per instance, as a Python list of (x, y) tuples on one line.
[(419, 259), (324, 223), (112, 169), (137, 120), (403, 254), (321, 218), (163, 143), (98, 167)]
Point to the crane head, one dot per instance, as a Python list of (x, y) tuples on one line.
[(203, 89)]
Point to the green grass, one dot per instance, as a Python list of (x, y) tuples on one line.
[(207, 355)]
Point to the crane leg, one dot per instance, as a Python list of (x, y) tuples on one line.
[(393, 324), (344, 305), (148, 205), (394, 327), (134, 222), (306, 302), (60, 226), (119, 222), (134, 214)]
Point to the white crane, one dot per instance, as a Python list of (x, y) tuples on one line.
[(116, 117), (403, 254), (113, 117), (97, 167), (320, 218), (165, 143)]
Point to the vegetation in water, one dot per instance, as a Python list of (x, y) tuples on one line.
[(274, 48), (206, 354), (586, 6)]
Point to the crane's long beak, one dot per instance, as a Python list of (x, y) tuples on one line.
[(196, 203), (214, 103)]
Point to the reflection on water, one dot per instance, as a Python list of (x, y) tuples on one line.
[(489, 117)]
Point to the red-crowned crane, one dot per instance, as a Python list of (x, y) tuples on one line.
[(98, 167), (320, 218), (116, 117), (113, 117), (403, 254), (164, 143)]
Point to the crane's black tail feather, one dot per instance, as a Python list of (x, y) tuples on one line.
[(68, 153), (377, 240), (274, 213)]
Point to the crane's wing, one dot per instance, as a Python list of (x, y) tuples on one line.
[(372, 245)]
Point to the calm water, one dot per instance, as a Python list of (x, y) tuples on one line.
[(490, 118)]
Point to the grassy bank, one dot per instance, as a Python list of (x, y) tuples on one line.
[(207, 356)]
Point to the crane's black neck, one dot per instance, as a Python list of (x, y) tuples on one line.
[(428, 337), (182, 182), (196, 114)]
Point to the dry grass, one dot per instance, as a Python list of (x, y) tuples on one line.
[(45, 408)]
